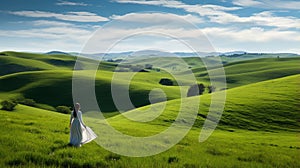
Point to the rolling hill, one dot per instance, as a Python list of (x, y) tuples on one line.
[(259, 126), (51, 75), (257, 70), (54, 87), (269, 105), (33, 137)]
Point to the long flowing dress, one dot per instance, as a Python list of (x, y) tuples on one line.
[(80, 133)]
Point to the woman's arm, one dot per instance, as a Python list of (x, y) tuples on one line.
[(71, 118), (80, 118)]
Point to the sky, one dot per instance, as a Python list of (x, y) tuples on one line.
[(131, 25)]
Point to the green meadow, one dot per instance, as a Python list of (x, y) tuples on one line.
[(259, 126)]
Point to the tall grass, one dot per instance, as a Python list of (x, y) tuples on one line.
[(36, 138)]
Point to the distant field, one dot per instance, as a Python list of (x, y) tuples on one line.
[(251, 71)]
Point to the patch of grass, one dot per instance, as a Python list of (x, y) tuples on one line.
[(215, 151), (51, 149), (112, 157)]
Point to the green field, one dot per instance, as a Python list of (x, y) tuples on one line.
[(259, 127)]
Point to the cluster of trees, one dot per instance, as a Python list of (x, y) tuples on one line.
[(134, 68), (194, 90), (198, 89), (63, 109), (9, 105), (166, 81)]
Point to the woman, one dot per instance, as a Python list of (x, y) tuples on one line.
[(80, 134)]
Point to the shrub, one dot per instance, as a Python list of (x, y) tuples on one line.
[(148, 66), (166, 81), (211, 89), (156, 69), (196, 89), (8, 105), (28, 102), (136, 68), (63, 109), (121, 70)]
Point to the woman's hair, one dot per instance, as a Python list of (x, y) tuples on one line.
[(74, 112)]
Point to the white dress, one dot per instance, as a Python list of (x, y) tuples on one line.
[(80, 133)]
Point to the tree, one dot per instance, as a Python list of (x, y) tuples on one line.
[(136, 68), (148, 66), (8, 105), (196, 89), (63, 109), (211, 88), (166, 81), (28, 102)]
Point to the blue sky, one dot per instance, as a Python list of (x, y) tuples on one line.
[(227, 25)]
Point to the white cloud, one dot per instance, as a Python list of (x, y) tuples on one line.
[(254, 34), (46, 36), (220, 14), (260, 19), (203, 10), (69, 16), (219, 8), (49, 31), (262, 31), (269, 4), (72, 38), (157, 18), (246, 2), (50, 23), (286, 4), (229, 37), (149, 2), (254, 39), (69, 3)]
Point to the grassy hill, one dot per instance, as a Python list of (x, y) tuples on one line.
[(48, 80), (269, 105), (173, 64), (259, 126), (251, 71), (12, 62), (33, 137), (37, 75), (54, 87), (251, 56)]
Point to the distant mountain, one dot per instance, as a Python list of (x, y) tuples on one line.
[(233, 53), (194, 54), (228, 56), (145, 53), (57, 53)]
